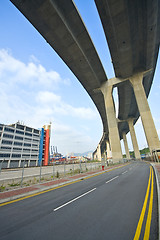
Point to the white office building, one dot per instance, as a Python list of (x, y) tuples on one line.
[(19, 143)]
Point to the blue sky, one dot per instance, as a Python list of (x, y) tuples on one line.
[(36, 87)]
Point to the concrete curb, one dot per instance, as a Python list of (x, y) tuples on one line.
[(158, 193), (35, 191)]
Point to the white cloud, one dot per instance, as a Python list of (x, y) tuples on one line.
[(73, 140), (86, 113), (31, 74), (46, 97), (60, 107), (67, 81), (27, 93), (33, 59)]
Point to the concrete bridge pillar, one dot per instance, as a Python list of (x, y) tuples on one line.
[(103, 158), (104, 155), (126, 146), (99, 156), (108, 150), (145, 113), (95, 155), (134, 139), (112, 122)]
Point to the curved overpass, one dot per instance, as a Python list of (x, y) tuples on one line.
[(59, 22), (133, 35), (131, 30)]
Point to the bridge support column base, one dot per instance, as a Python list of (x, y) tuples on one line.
[(126, 146), (109, 155), (145, 113), (99, 153), (134, 139), (112, 122), (117, 160)]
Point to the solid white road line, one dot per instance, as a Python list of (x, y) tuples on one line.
[(74, 199), (112, 179), (124, 172)]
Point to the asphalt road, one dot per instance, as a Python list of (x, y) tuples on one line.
[(107, 206)]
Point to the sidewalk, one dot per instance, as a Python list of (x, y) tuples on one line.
[(38, 188), (156, 167)]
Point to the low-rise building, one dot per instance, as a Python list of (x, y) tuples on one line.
[(19, 143)]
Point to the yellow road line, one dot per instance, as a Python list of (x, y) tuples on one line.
[(51, 189), (139, 226), (149, 217), (105, 171), (36, 194)]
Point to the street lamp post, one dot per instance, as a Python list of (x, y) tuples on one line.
[(53, 170), (23, 172), (40, 172), (1, 165)]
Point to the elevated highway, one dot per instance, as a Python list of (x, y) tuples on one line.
[(59, 22), (133, 37)]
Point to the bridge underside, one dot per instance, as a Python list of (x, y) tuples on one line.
[(133, 36)]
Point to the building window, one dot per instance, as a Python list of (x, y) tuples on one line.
[(7, 135), (19, 138), (28, 134), (37, 136), (28, 129), (20, 127), (17, 149), (4, 155), (33, 156), (7, 142), (8, 129), (34, 145), (18, 143), (2, 147), (19, 132), (28, 139), (27, 144), (14, 155), (26, 149), (36, 131)]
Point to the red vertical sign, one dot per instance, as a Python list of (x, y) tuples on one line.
[(46, 148)]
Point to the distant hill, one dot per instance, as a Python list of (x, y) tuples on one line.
[(142, 151), (85, 154)]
